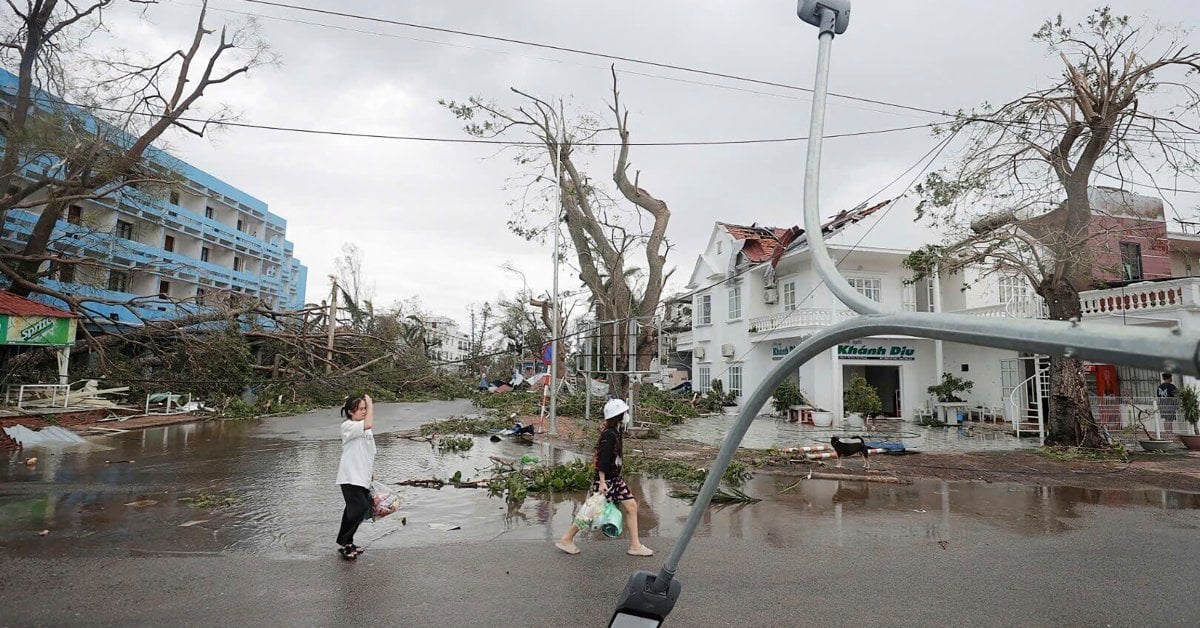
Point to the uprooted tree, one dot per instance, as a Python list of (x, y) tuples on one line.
[(1017, 199), (606, 237)]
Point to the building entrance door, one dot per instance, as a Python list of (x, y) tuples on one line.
[(885, 380)]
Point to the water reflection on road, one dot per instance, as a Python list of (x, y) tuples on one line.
[(124, 495)]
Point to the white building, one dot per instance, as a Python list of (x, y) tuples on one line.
[(447, 342), (757, 297)]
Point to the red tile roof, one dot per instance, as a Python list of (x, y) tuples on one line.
[(14, 305), (762, 243)]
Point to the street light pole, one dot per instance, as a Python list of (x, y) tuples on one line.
[(555, 330)]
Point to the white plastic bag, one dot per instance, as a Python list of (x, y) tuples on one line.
[(589, 511), (383, 501)]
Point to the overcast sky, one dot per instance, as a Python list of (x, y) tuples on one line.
[(431, 217)]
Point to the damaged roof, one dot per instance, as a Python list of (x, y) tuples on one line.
[(762, 244)]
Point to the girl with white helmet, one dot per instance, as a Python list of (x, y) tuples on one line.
[(607, 480)]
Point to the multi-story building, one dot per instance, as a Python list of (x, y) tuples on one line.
[(192, 244), (758, 295), (447, 341)]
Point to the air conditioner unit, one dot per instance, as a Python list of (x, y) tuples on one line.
[(698, 352), (770, 295), (728, 350)]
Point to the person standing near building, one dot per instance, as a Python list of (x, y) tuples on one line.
[(1166, 398), (607, 480), (356, 470)]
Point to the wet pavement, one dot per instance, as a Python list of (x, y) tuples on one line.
[(270, 492), (767, 432), (125, 548)]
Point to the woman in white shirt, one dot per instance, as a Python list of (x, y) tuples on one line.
[(356, 470)]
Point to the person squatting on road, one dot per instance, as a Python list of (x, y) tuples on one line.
[(356, 470), (608, 482)]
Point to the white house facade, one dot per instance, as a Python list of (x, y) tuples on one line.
[(757, 296)]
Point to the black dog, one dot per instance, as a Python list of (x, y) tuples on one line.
[(849, 449)]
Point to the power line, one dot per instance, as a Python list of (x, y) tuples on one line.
[(591, 53), (474, 140)]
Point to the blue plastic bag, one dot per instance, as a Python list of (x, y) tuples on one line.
[(611, 521)]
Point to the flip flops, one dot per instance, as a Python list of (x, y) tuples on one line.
[(641, 551), (351, 551), (570, 548)]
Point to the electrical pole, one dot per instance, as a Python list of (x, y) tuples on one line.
[(555, 331), (332, 322)]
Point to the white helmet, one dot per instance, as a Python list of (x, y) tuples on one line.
[(615, 407)]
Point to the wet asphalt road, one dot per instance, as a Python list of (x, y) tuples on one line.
[(126, 548), (1121, 567)]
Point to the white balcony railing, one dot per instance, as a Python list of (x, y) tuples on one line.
[(797, 319), (1030, 307), (1143, 297)]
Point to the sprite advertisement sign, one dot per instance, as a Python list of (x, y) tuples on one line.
[(36, 330)]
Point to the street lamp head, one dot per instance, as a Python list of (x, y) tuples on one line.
[(828, 15)]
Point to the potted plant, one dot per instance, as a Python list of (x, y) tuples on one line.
[(861, 400), (1153, 442), (1189, 407), (787, 395), (948, 390)]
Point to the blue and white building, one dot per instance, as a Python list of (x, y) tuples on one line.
[(177, 249)]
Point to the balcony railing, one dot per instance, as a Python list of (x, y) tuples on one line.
[(801, 318), (1029, 307), (1145, 297)]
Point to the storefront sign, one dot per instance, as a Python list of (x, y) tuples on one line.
[(780, 350), (874, 350), (37, 330)]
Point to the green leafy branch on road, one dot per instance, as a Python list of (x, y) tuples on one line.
[(208, 500)]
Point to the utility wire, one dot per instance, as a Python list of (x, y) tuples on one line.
[(590, 53), (474, 140)]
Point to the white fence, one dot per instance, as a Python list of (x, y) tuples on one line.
[(1157, 415)]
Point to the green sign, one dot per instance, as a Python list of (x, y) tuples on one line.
[(36, 330), (780, 350), (869, 350)]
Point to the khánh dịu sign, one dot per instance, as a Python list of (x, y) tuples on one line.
[(859, 350), (37, 330)]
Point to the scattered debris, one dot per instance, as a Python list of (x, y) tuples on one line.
[(52, 435), (211, 500), (724, 495), (444, 527), (193, 522), (944, 544), (29, 462), (116, 461), (142, 502), (44, 533), (403, 521)]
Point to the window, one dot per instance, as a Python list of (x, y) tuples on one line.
[(789, 296), (174, 197), (169, 243), (735, 380), (704, 310), (1013, 288), (703, 378), (208, 213), (200, 296), (872, 288), (164, 288), (239, 227), (1131, 261), (124, 230), (64, 272), (75, 215), (237, 263), (735, 303), (204, 253), (118, 281)]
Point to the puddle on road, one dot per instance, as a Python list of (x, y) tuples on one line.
[(288, 506), (766, 432)]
